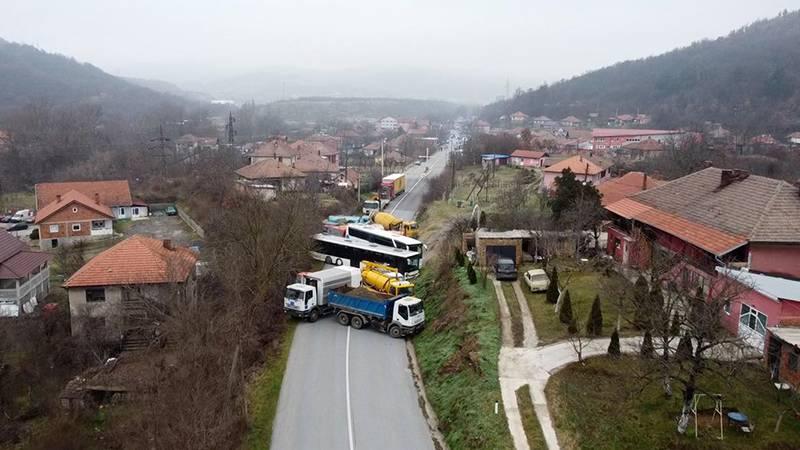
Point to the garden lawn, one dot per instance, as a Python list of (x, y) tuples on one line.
[(517, 331), (533, 431), (264, 392), (459, 363), (598, 406), (584, 284)]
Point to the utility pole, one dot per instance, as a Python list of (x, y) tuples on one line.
[(161, 141), (382, 142)]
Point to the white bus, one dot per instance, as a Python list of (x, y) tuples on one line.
[(378, 235), (345, 251)]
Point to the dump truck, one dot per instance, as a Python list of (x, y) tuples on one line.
[(374, 204), (307, 297), (396, 315), (392, 223), (393, 185), (384, 279)]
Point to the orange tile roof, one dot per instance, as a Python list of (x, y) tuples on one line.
[(519, 153), (269, 168), (136, 260), (577, 164), (274, 148), (616, 189), (714, 241), (111, 192), (69, 198)]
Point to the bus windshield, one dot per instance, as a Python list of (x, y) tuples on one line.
[(413, 263)]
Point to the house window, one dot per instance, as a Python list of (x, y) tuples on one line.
[(76, 227), (95, 295), (98, 224), (135, 211), (753, 319), (74, 210), (727, 307), (8, 284), (53, 228), (122, 211), (794, 355)]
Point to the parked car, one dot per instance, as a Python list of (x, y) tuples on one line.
[(20, 226), (171, 211), (505, 269), (6, 218), (537, 280)]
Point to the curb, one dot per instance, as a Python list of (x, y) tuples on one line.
[(427, 410)]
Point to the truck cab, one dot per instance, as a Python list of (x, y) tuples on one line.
[(411, 229), (408, 314), (307, 299)]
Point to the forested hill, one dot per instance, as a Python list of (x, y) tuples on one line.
[(28, 74), (748, 80)]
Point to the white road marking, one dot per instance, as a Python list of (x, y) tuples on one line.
[(347, 390)]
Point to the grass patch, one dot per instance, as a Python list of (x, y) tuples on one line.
[(598, 406), (263, 395), (17, 200), (533, 431), (517, 332), (122, 225), (584, 284), (463, 398)]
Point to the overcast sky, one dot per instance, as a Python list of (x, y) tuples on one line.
[(526, 41)]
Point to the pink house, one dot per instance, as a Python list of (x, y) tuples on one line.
[(611, 138), (527, 158)]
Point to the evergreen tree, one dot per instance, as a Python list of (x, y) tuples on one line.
[(647, 350), (473, 277), (594, 326), (572, 328), (552, 288), (613, 346), (684, 350), (459, 258), (565, 313)]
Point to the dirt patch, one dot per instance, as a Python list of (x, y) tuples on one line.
[(163, 227), (467, 356)]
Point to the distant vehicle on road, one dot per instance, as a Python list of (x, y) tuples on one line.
[(417, 163), (378, 235), (537, 280), (374, 205), (23, 215), (392, 223), (345, 251), (393, 185), (171, 211), (505, 269)]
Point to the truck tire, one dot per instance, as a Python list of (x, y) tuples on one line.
[(356, 322), (343, 319), (313, 316), (395, 332)]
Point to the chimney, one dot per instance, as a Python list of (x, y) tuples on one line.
[(644, 182), (97, 198), (58, 197), (167, 243), (728, 176)]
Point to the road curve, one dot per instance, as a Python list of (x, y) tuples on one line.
[(325, 364)]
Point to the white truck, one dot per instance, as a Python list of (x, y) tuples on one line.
[(335, 291)]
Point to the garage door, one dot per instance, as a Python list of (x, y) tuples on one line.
[(500, 251)]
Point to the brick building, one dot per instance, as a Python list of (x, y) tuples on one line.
[(71, 217)]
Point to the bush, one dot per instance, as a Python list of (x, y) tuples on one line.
[(572, 328), (552, 288), (459, 258), (613, 346), (565, 313), (473, 277), (594, 326), (647, 350)]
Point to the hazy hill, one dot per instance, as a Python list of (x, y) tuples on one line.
[(169, 88), (28, 74), (748, 80), (323, 108)]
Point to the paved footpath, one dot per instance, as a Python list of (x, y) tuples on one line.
[(534, 365)]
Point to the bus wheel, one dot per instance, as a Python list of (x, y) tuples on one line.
[(395, 332), (313, 316), (356, 322), (343, 319)]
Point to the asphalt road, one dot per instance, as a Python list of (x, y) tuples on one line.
[(352, 389)]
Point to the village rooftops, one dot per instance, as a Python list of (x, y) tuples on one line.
[(111, 192), (532, 154), (269, 169), (71, 197), (570, 119), (313, 148), (577, 164), (16, 259), (776, 288), (616, 189), (134, 261), (274, 148), (623, 132), (315, 164)]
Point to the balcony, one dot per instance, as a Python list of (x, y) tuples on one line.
[(26, 289)]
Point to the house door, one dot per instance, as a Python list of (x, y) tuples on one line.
[(753, 326)]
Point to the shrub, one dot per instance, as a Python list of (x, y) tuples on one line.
[(572, 328), (473, 277), (594, 326), (459, 258), (552, 289), (565, 313), (613, 346), (647, 350)]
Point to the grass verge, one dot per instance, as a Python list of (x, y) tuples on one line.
[(533, 431), (17, 200), (517, 332), (458, 355), (263, 395), (599, 406), (584, 284)]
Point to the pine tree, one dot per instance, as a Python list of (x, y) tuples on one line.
[(552, 288), (572, 328), (647, 350), (565, 313), (684, 350), (594, 326), (613, 346), (473, 277)]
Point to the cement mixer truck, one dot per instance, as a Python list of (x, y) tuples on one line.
[(385, 279), (392, 223)]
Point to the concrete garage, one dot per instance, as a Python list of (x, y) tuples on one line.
[(489, 245)]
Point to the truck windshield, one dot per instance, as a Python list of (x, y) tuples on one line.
[(293, 294), (405, 291), (371, 204), (415, 309)]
